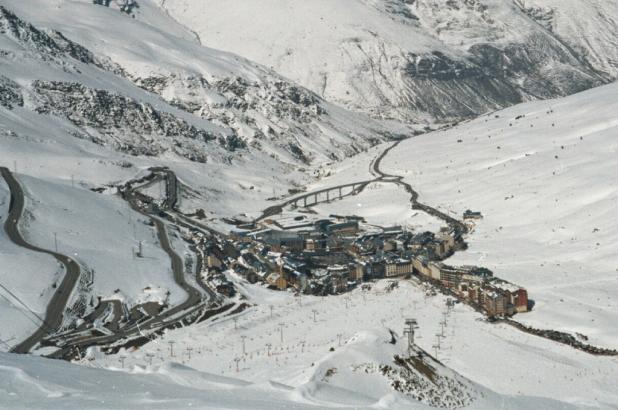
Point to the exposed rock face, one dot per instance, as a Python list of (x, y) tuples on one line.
[(126, 6), (277, 100), (542, 15), (276, 110), (490, 78), (10, 95), (129, 125), (450, 89), (51, 45)]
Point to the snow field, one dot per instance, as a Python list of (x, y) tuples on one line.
[(544, 176), (25, 278), (101, 232), (382, 204), (471, 347)]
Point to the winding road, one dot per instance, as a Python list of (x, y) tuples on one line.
[(380, 176), (194, 301), (56, 306), (193, 295)]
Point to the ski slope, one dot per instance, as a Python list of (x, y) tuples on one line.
[(544, 176), (353, 330)]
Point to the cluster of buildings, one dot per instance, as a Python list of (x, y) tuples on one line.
[(329, 256), (476, 286), (333, 255)]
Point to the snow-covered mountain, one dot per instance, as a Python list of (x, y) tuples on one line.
[(588, 27), (249, 102), (148, 88), (421, 60)]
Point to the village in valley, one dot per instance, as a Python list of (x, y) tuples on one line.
[(302, 252)]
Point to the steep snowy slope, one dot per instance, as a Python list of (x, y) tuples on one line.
[(589, 27), (544, 176), (335, 359), (422, 60), (215, 101), (36, 383), (25, 284), (82, 220)]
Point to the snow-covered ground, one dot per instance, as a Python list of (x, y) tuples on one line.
[(102, 233), (497, 357), (25, 283), (36, 383), (382, 204), (544, 176)]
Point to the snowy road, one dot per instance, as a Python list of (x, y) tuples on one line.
[(192, 304), (380, 176), (55, 308)]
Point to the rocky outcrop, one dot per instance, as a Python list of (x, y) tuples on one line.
[(10, 95), (492, 77), (425, 380), (125, 6), (49, 45), (542, 15), (273, 110), (277, 100), (131, 126)]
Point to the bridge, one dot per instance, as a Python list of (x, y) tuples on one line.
[(328, 194), (318, 197)]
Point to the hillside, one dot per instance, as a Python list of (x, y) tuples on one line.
[(335, 359), (168, 94), (421, 60), (587, 27), (147, 93), (543, 176), (33, 382)]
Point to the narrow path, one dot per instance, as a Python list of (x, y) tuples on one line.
[(375, 167), (56, 306)]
